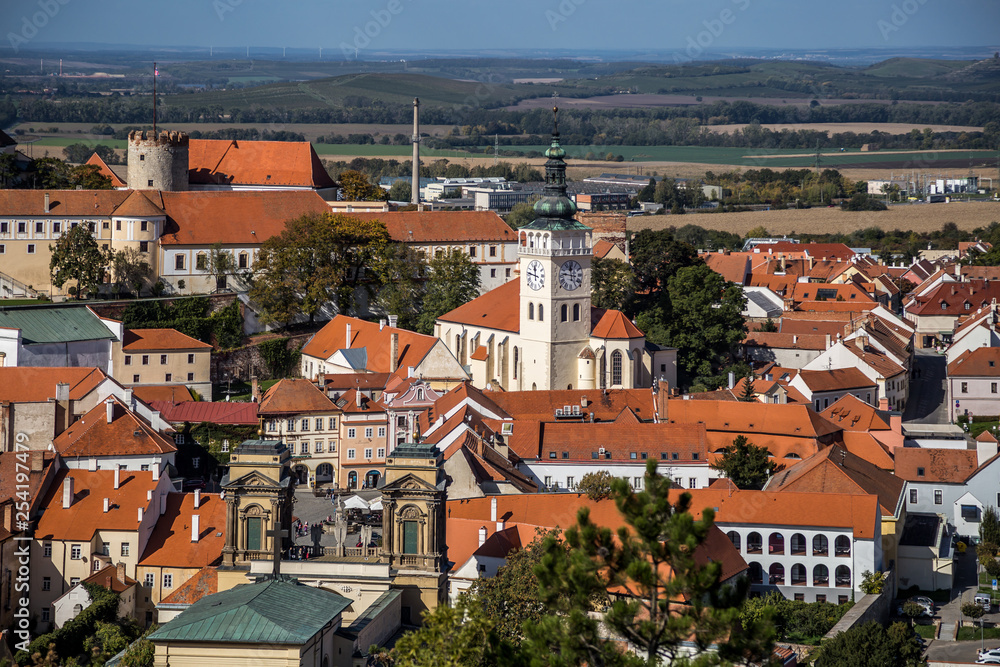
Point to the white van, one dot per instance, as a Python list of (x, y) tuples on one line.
[(984, 601)]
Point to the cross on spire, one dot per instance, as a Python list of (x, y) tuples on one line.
[(278, 535)]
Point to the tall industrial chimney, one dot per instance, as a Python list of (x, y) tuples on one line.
[(415, 183)]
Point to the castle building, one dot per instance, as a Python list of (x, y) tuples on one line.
[(540, 331)]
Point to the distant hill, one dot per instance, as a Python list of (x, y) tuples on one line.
[(915, 68)]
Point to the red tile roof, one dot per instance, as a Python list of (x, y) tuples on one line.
[(217, 412), (979, 362), (27, 384), (852, 414), (613, 325), (795, 421), (786, 341), (498, 309), (105, 170), (205, 582), (160, 339), (296, 396), (170, 543), (108, 578), (603, 247), (126, 435), (734, 267), (12, 463), (621, 441), (865, 446), (69, 203), (605, 405), (835, 379), (413, 347), (168, 393), (267, 163), (442, 226), (138, 206), (86, 515), (246, 218), (815, 250), (951, 298), (939, 465), (481, 354)]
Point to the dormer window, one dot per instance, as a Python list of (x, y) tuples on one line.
[(920, 472)]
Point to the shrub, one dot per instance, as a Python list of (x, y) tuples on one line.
[(596, 485)]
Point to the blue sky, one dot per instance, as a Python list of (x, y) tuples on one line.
[(661, 25)]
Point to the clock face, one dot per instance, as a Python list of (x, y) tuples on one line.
[(570, 275), (535, 274)]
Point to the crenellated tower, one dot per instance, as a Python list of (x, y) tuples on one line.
[(157, 161)]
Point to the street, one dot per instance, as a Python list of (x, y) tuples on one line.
[(928, 400)]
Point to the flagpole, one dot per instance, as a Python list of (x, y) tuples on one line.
[(154, 98)]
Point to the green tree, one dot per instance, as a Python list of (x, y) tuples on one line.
[(612, 283), (317, 259), (355, 186), (402, 292), (76, 257), (871, 645), (648, 192), (747, 394), (129, 269), (746, 464), (401, 190), (596, 485), (769, 326), (872, 583), (521, 214), (989, 527), (675, 595), (912, 610), (758, 232), (220, 264), (656, 258), (8, 169), (454, 280)]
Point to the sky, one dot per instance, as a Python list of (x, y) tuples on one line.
[(478, 25)]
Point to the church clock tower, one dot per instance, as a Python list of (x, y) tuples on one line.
[(554, 253)]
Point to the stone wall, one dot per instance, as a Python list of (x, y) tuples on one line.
[(868, 608), (246, 362), (116, 309), (161, 158)]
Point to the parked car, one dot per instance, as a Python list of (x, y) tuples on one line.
[(984, 601), (925, 602), (989, 653), (988, 661)]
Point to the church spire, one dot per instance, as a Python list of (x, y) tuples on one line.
[(555, 210)]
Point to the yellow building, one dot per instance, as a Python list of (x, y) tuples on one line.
[(162, 357)]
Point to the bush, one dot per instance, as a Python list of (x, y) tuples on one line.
[(279, 359), (861, 201), (596, 485)]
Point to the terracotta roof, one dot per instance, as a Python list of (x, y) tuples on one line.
[(785, 341), (865, 446), (268, 163), (205, 582), (878, 361), (126, 435), (833, 510), (986, 436), (342, 381), (849, 292), (613, 325), (621, 441), (376, 340), (481, 354), (815, 250), (12, 463), (791, 324), (160, 339), (951, 298), (734, 267), (296, 396), (980, 272), (33, 384), (498, 309), (836, 470), (348, 403), (169, 393), (245, 218), (605, 405), (979, 362), (852, 414), (442, 226), (170, 543), (464, 391), (602, 247), (938, 465), (108, 578), (86, 515), (138, 206), (69, 203), (105, 170), (796, 421), (217, 412), (835, 379)]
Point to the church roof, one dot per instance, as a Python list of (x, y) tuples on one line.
[(275, 612), (138, 206), (612, 324)]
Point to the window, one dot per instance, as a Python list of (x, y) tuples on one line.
[(548, 481), (616, 367), (351, 432), (799, 597), (291, 448), (163, 359), (201, 261), (350, 453), (564, 313), (125, 548), (143, 226), (799, 575), (798, 544), (305, 447), (576, 312), (842, 546), (74, 552), (776, 543), (913, 496), (244, 260), (45, 615), (493, 251), (820, 598), (128, 359), (46, 583), (135, 378), (179, 262), (821, 575), (143, 246), (105, 549), (149, 183), (472, 251), (145, 360), (692, 482), (368, 452), (754, 543), (39, 227), (319, 447), (368, 431), (842, 576), (168, 581), (118, 225), (150, 580), (305, 424), (190, 377), (632, 455), (541, 313), (507, 273), (291, 426), (965, 387), (993, 387), (31, 248), (381, 431), (531, 311), (920, 471), (776, 574), (4, 227), (3, 249), (47, 549), (168, 377), (333, 423), (970, 512), (22, 227), (734, 537), (938, 497), (637, 483)]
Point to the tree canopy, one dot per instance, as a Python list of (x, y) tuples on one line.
[(746, 464), (872, 645), (453, 281), (612, 283), (355, 186), (77, 257)]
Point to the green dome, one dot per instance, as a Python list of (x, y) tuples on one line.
[(555, 151), (555, 207)]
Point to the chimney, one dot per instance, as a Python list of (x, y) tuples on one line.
[(197, 498), (732, 379), (482, 535), (321, 381), (121, 572), (140, 514), (661, 400), (883, 404), (130, 399), (254, 389), (392, 320), (381, 324), (62, 391), (68, 493), (493, 509), (195, 528), (118, 476), (795, 339), (46, 202), (156, 470), (985, 450), (163, 504), (357, 397), (347, 343), (92, 464), (107, 505), (109, 404), (393, 352), (827, 342)]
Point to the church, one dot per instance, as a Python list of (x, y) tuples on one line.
[(540, 332)]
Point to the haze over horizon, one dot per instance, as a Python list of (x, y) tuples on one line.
[(445, 25)]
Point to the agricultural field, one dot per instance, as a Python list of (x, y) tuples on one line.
[(311, 131), (915, 217), (857, 128)]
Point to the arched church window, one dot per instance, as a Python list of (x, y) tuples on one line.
[(531, 311), (515, 363), (541, 313), (565, 313), (616, 367), (576, 312)]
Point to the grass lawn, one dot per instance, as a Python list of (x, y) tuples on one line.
[(21, 302), (925, 631), (968, 634)]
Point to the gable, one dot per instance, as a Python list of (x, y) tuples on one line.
[(439, 362), (409, 482)]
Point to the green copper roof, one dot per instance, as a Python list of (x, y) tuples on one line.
[(415, 450), (555, 210), (50, 324), (278, 611)]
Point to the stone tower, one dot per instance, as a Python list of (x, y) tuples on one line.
[(413, 526), (157, 161), (555, 253)]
